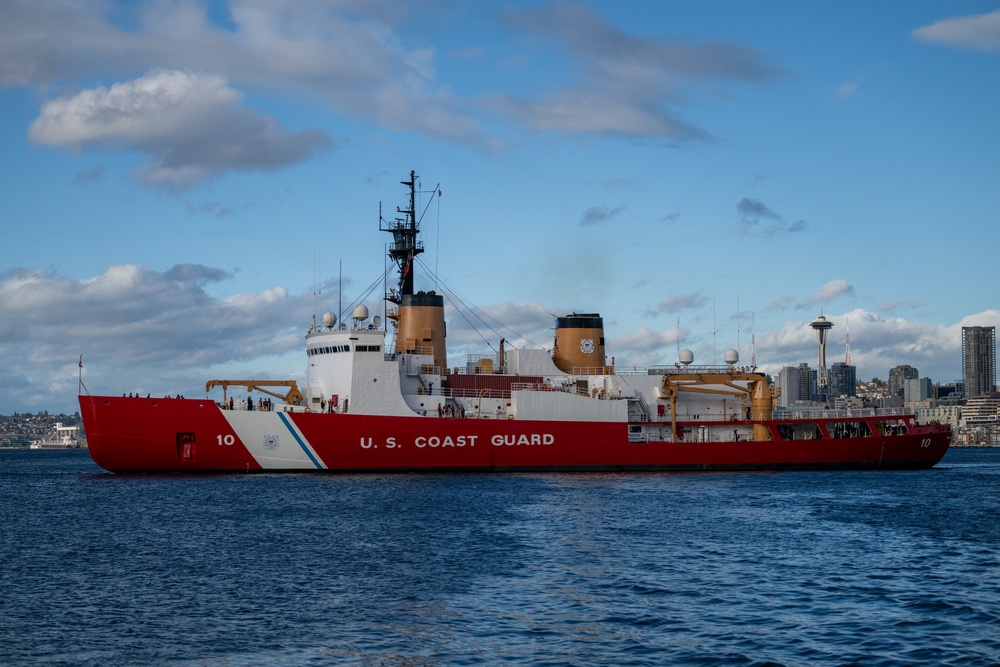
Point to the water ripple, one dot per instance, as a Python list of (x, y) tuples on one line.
[(412, 570)]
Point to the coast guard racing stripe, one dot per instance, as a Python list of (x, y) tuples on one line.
[(300, 439)]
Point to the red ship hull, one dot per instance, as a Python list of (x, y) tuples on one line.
[(190, 435)]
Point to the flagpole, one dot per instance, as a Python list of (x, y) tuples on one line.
[(81, 387)]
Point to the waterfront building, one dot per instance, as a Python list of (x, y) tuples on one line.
[(982, 407), (944, 414), (980, 423)]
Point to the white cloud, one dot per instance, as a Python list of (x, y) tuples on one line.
[(354, 58), (160, 332), (521, 324), (825, 295), (628, 84), (192, 126), (876, 345), (344, 55), (980, 32), (676, 303), (828, 292), (645, 340), (138, 329)]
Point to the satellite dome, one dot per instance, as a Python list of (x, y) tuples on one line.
[(731, 356), (685, 357), (329, 319), (361, 313)]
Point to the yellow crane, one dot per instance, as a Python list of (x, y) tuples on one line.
[(761, 394), (292, 397)]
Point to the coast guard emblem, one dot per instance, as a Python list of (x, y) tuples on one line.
[(587, 345), (271, 442)]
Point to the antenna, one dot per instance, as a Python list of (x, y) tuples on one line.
[(81, 387), (437, 250), (317, 279), (848, 357), (678, 338), (405, 246), (385, 276), (738, 314), (753, 339)]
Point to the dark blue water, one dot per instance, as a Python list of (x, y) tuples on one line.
[(869, 568)]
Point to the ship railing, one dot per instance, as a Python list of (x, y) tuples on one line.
[(473, 360), (646, 413), (482, 392), (493, 392), (476, 370), (419, 349), (844, 413), (599, 370), (656, 370), (538, 386), (681, 369), (396, 247)]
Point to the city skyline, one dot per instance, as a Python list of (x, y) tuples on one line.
[(185, 185)]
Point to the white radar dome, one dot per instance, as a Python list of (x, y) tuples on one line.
[(686, 357), (732, 356), (329, 319), (361, 313)]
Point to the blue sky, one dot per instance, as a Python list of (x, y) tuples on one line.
[(184, 184)]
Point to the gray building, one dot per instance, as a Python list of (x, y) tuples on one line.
[(917, 389), (898, 375), (979, 360), (843, 380), (796, 383)]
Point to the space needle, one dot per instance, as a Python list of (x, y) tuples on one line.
[(821, 325)]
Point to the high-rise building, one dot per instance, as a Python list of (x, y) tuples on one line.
[(796, 384), (790, 386), (843, 380), (917, 389), (897, 377), (979, 360), (811, 376)]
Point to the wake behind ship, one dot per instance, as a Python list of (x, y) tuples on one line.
[(379, 396)]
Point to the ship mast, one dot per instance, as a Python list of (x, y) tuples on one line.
[(419, 318), (405, 246)]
